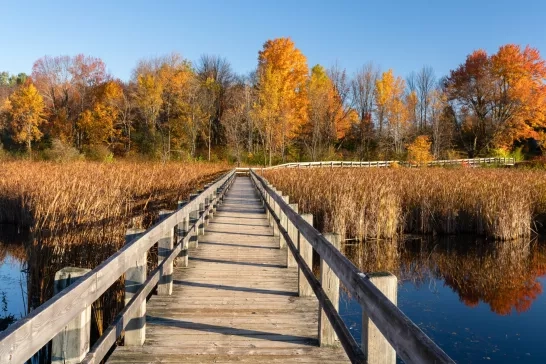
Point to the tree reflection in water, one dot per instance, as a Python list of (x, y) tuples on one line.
[(501, 275)]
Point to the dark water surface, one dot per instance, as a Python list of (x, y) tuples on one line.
[(13, 280), (479, 301)]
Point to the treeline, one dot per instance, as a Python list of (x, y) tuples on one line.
[(172, 108)]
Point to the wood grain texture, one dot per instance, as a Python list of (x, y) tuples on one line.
[(236, 301)]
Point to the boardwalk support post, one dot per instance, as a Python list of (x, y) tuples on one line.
[(183, 228), (201, 225), (135, 331), (306, 252), (165, 246), (330, 284), (374, 345), (293, 233), (194, 216), (72, 344), (283, 219)]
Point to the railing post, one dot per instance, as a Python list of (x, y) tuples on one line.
[(135, 331), (183, 228), (306, 252), (72, 344), (374, 345), (330, 284), (193, 217), (165, 246), (201, 225), (276, 210), (293, 234), (283, 221)]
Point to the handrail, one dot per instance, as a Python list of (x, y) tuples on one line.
[(409, 342), (332, 164), (353, 350), (25, 337)]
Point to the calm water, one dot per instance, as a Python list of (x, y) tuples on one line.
[(481, 303), (13, 280)]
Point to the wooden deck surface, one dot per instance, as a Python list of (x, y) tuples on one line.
[(236, 302)]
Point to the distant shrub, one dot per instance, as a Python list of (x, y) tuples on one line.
[(99, 153), (61, 152), (419, 150)]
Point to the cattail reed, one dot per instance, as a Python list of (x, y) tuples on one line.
[(385, 203)]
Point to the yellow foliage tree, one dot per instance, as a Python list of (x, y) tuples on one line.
[(98, 122), (419, 151), (392, 109), (25, 113), (281, 106)]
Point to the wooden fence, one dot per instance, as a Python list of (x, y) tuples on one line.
[(173, 233), (379, 164), (396, 332)]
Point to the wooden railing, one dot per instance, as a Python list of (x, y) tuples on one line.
[(173, 234), (379, 164), (396, 332)]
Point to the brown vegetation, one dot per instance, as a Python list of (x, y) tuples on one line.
[(78, 214), (385, 203)]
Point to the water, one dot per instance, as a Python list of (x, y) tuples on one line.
[(480, 302), (13, 280)]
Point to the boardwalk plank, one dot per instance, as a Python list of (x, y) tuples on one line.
[(236, 301)]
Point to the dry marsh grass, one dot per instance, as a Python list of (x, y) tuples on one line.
[(78, 213), (385, 203)]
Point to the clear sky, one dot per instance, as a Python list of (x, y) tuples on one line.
[(402, 35)]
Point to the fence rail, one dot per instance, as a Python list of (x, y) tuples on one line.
[(409, 342), (379, 164), (27, 336)]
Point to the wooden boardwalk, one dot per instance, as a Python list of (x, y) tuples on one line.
[(236, 302)]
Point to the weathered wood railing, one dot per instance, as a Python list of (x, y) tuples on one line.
[(173, 234), (388, 332), (379, 164)]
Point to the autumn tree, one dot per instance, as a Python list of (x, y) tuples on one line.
[(216, 77), (419, 151), (498, 99), (97, 123), (392, 111), (281, 105), (237, 119), (25, 113), (363, 98), (328, 115)]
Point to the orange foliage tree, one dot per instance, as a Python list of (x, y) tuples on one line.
[(498, 99), (281, 106)]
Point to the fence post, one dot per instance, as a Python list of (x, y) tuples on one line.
[(282, 218), (193, 217), (135, 331), (330, 283), (306, 252), (72, 343), (201, 225), (165, 246), (183, 226), (374, 345), (293, 234), (276, 210)]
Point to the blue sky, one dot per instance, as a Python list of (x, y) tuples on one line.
[(402, 35)]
